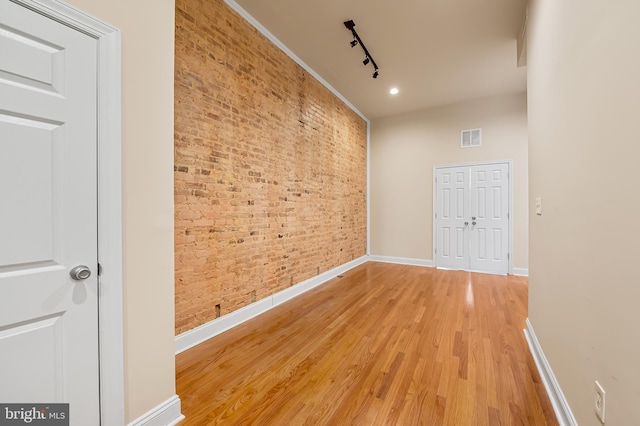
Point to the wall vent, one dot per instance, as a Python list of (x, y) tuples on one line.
[(471, 137)]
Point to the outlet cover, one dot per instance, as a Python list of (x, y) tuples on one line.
[(599, 402)]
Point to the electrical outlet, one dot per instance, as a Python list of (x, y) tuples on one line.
[(599, 402)]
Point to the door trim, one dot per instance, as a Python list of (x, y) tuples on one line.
[(434, 209), (110, 281)]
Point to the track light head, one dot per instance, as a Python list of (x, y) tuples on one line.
[(375, 74), (353, 43), (366, 61)]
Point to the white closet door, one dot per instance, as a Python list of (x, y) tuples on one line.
[(452, 188), (489, 196), (472, 218)]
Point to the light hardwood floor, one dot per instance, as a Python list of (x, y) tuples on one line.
[(382, 345)]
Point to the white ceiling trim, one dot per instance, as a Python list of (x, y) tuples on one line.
[(257, 25)]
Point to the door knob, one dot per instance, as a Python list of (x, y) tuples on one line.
[(473, 218), (80, 272), (473, 223), (466, 223)]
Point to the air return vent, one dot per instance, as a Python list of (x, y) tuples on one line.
[(471, 137)]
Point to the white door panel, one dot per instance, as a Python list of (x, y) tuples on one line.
[(472, 217), (489, 189), (48, 214), (453, 206)]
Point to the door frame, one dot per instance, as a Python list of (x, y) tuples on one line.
[(434, 231), (109, 140)]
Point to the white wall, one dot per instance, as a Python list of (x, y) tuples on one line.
[(147, 28), (584, 147), (404, 150)]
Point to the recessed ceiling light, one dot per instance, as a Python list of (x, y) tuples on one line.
[(394, 91)]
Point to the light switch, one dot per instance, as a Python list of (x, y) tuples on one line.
[(539, 206)]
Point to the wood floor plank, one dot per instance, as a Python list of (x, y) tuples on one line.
[(381, 345)]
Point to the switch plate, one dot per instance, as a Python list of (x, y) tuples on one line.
[(539, 206), (599, 401)]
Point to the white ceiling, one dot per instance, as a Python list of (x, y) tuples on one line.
[(434, 51)]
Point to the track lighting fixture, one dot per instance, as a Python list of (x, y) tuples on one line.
[(356, 40)]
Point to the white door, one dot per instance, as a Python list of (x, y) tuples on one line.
[(452, 214), (472, 217), (489, 226), (48, 214)]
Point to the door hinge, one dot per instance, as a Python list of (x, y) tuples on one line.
[(508, 256), (99, 269), (436, 251), (436, 215), (508, 215)]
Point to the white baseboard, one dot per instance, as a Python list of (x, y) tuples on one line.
[(558, 401), (402, 260), (521, 272), (194, 337), (197, 335), (166, 414), (307, 285)]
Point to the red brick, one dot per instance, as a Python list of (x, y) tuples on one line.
[(270, 168)]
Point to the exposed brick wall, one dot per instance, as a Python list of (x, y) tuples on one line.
[(270, 168)]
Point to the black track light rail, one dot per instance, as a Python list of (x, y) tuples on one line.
[(350, 26)]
